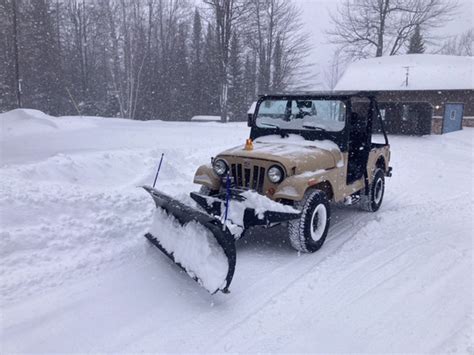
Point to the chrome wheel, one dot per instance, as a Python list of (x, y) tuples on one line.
[(378, 191), (318, 222)]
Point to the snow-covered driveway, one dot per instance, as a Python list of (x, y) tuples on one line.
[(76, 274)]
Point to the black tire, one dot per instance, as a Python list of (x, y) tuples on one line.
[(304, 234), (373, 201)]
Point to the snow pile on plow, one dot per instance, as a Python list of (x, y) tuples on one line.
[(194, 248), (195, 241), (262, 204), (256, 205)]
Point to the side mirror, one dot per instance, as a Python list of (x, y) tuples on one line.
[(250, 119)]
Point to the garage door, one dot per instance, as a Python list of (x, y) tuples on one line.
[(452, 120)]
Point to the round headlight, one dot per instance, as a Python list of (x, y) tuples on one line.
[(220, 167), (275, 174)]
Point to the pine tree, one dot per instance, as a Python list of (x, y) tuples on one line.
[(179, 78), (236, 83), (263, 80), (416, 44), (210, 87), (40, 60), (8, 79)]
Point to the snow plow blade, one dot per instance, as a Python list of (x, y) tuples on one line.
[(195, 241)]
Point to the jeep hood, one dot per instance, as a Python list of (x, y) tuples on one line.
[(293, 152)]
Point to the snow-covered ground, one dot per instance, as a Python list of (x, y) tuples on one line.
[(76, 274)]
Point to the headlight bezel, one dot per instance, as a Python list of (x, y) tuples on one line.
[(225, 165), (270, 174)]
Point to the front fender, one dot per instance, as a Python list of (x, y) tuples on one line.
[(294, 187), (205, 176)]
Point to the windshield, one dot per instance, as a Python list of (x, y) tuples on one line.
[(324, 115)]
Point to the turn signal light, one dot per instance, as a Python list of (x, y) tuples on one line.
[(271, 191), (249, 144)]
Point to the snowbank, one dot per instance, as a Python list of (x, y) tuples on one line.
[(24, 121), (425, 72)]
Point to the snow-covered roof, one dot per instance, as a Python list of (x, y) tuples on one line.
[(206, 118), (425, 72)]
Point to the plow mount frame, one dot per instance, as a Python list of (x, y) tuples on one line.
[(213, 206)]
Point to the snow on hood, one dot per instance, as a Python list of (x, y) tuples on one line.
[(292, 151)]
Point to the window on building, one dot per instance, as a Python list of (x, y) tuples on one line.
[(453, 115), (405, 112)]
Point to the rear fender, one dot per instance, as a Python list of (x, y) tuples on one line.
[(378, 158)]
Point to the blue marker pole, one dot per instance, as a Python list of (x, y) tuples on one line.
[(227, 196), (158, 171)]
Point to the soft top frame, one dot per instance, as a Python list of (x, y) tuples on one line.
[(340, 138)]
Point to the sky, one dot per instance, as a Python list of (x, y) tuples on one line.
[(315, 15)]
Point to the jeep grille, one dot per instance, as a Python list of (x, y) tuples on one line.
[(251, 177)]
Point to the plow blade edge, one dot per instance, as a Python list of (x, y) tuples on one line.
[(195, 241)]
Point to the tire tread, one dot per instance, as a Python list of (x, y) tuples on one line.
[(296, 228)]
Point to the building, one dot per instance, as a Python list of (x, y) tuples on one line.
[(417, 93)]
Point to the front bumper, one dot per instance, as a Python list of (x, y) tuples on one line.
[(214, 206)]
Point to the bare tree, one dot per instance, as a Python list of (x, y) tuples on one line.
[(77, 12), (336, 68), (130, 31), (368, 28), (276, 34), (459, 45), (226, 15), (15, 50)]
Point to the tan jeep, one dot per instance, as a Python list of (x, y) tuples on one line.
[(305, 151)]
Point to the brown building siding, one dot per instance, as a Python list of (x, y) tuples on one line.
[(437, 100)]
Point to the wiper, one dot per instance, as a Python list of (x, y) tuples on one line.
[(270, 125), (278, 128), (316, 128)]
